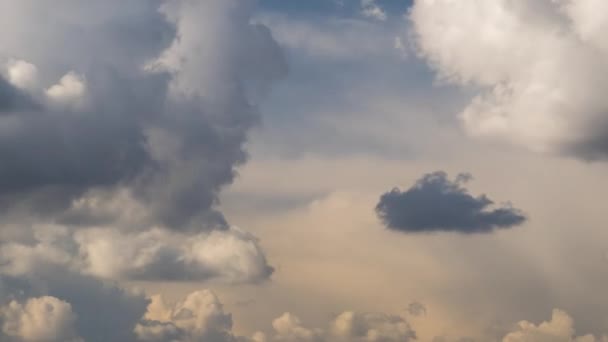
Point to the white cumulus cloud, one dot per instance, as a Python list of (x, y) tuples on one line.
[(537, 66)]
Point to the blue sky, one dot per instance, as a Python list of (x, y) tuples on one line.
[(339, 8)]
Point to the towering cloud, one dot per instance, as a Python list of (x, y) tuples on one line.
[(537, 66), (151, 97), (120, 123), (435, 204)]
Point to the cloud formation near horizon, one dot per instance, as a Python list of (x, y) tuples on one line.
[(437, 204)]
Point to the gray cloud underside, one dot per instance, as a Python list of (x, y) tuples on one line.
[(153, 117)]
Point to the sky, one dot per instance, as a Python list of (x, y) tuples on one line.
[(303, 171)]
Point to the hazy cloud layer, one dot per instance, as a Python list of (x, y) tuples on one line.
[(436, 204), (543, 92)]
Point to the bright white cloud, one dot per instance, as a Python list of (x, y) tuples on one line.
[(537, 66), (70, 91), (288, 328), (199, 317), (22, 74), (44, 319), (559, 329), (232, 256)]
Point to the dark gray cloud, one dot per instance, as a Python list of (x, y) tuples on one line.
[(416, 309), (128, 132), (13, 99), (436, 204), (147, 114)]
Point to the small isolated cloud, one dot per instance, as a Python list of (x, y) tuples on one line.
[(22, 74), (68, 92), (416, 309), (370, 9), (436, 204), (289, 328)]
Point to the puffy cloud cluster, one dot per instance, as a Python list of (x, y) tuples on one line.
[(559, 329), (436, 203), (93, 311), (537, 66), (55, 304), (201, 317), (231, 256), (288, 328), (348, 326), (39, 319)]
